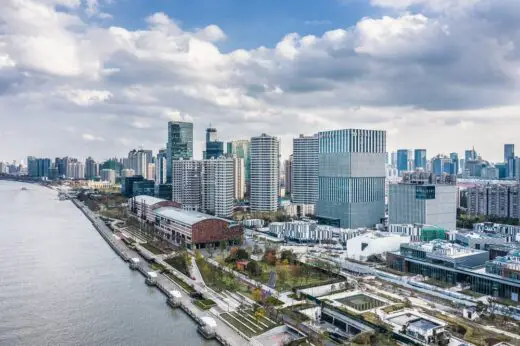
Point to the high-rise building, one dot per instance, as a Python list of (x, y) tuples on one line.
[(509, 152), (126, 172), (351, 177), (424, 199), (470, 155), (420, 159), (402, 160), (109, 175), (180, 144), (76, 170), (442, 164), (214, 147), (288, 175), (160, 167), (265, 173), (494, 200), (91, 168), (239, 174), (206, 186), (241, 148), (138, 160), (454, 157), (186, 184), (150, 171), (304, 187), (127, 185)]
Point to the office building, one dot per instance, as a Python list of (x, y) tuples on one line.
[(127, 185), (454, 158), (421, 198), (265, 173), (179, 227), (144, 188), (239, 176), (509, 152), (402, 160), (288, 175), (420, 159), (38, 167), (163, 191), (109, 175), (214, 147), (490, 173), (91, 168), (241, 148), (161, 167), (470, 155), (453, 264), (351, 183), (442, 164), (179, 146), (304, 187)]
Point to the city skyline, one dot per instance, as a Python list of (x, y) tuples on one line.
[(418, 82)]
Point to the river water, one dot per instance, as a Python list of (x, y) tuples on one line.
[(61, 284)]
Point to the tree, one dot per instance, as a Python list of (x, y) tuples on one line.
[(270, 256), (288, 255), (253, 268), (256, 294), (259, 313), (242, 254), (282, 274), (222, 245)]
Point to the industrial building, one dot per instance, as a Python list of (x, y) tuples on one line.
[(453, 263), (182, 227)]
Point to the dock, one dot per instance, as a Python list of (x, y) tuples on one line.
[(224, 334)]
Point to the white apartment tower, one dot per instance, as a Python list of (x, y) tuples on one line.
[(186, 184), (239, 176), (265, 175), (304, 186)]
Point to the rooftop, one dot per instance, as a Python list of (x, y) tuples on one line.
[(423, 324), (482, 235), (443, 248), (184, 216), (148, 200)]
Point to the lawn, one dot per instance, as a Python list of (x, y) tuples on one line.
[(205, 304), (181, 283), (219, 280), (152, 249)]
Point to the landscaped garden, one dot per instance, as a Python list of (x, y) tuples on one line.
[(180, 282), (181, 262), (205, 304), (152, 249)]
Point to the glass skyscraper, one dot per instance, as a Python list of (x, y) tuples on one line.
[(214, 147), (351, 178), (304, 184), (402, 160), (420, 158), (180, 144)]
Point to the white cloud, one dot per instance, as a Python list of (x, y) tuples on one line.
[(418, 71)]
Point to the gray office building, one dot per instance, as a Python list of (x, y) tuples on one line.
[(351, 178), (265, 173), (180, 144), (421, 198), (304, 185)]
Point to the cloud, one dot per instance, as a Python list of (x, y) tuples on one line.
[(418, 70), (91, 138), (318, 22)]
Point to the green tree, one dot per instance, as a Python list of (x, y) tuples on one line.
[(253, 268)]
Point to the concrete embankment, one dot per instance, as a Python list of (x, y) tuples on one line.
[(224, 334)]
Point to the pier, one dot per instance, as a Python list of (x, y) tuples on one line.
[(223, 333)]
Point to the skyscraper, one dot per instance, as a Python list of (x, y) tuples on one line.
[(304, 187), (420, 159), (351, 177), (402, 160), (214, 147), (509, 152), (91, 168), (470, 155), (441, 164), (288, 175), (187, 184), (138, 160), (454, 157), (265, 174), (241, 148), (160, 167), (239, 175), (180, 144)]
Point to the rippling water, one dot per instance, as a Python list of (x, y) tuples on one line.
[(61, 284)]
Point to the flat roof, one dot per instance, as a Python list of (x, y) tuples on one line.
[(423, 324), (187, 217), (149, 200)]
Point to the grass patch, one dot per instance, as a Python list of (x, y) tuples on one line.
[(157, 267), (180, 262), (181, 283), (273, 301), (391, 271), (471, 293), (152, 249), (392, 308), (205, 304), (438, 283)]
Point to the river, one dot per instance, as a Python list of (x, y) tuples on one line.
[(61, 284)]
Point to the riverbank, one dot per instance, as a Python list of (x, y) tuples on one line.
[(224, 334)]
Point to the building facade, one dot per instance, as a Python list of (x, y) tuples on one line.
[(265, 173), (239, 176), (351, 178), (288, 175), (91, 168), (423, 201), (420, 159), (304, 187), (214, 147), (180, 144), (187, 184), (242, 149), (160, 167), (494, 200), (108, 175)]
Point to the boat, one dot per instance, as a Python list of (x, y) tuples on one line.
[(207, 327), (151, 278)]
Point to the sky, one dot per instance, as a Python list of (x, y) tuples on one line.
[(100, 77)]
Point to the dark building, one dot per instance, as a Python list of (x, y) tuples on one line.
[(38, 167), (144, 188), (163, 191), (180, 144), (214, 147), (127, 185)]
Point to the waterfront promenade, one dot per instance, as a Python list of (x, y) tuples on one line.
[(224, 333)]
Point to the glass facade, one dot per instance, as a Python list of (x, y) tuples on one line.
[(420, 158), (180, 144)]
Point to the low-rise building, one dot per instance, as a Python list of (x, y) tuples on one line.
[(253, 223), (311, 232), (479, 240), (183, 227), (420, 327), (374, 243), (510, 232), (419, 232)]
